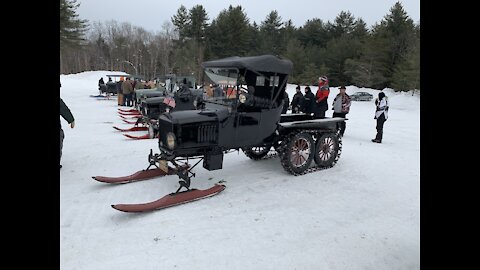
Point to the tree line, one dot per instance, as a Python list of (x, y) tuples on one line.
[(346, 50)]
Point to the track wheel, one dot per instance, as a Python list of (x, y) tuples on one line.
[(327, 149), (256, 152), (298, 153)]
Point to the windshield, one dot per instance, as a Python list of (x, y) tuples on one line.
[(221, 85)]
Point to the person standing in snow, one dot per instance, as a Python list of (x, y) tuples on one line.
[(381, 114), (127, 90), (321, 97), (341, 106), (67, 115), (101, 85), (286, 102), (120, 98), (297, 100), (309, 101)]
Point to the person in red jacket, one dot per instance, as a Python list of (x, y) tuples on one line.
[(321, 97)]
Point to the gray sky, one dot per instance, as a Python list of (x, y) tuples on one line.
[(151, 14)]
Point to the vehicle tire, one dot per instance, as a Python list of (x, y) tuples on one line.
[(297, 152), (328, 149), (256, 152)]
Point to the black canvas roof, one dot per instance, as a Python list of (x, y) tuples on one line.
[(265, 63)]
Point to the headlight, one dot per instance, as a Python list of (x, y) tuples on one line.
[(242, 98), (170, 140)]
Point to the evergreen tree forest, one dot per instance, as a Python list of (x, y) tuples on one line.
[(346, 50)]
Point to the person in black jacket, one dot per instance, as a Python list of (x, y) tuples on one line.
[(67, 115), (309, 101), (297, 101), (286, 102)]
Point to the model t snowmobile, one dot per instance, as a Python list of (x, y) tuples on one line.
[(150, 104), (246, 115)]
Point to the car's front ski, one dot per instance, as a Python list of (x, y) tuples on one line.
[(143, 137), (129, 113), (130, 110), (171, 200), (138, 176), (129, 122), (131, 129), (136, 116)]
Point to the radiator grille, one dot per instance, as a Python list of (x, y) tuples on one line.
[(207, 133)]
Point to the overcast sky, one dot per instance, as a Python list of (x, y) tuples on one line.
[(151, 14)]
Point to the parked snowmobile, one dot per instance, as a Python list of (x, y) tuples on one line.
[(169, 99), (245, 115)]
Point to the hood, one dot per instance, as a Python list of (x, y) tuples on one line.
[(195, 116)]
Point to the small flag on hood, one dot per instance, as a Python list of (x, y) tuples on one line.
[(169, 101)]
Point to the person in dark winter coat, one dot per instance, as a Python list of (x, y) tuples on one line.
[(127, 90), (381, 114), (67, 115), (309, 101), (184, 92), (341, 106), (217, 91), (286, 102), (321, 97), (297, 101)]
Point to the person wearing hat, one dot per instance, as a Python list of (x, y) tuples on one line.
[(321, 97), (341, 106), (381, 114), (308, 101), (297, 100)]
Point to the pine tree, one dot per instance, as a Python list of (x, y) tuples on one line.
[(370, 68), (295, 52), (270, 37), (313, 32), (197, 23), (344, 24), (399, 30), (181, 21), (228, 34), (72, 29), (406, 75)]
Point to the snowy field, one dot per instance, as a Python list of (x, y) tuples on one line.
[(364, 213)]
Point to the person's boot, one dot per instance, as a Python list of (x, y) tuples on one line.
[(377, 141), (60, 166)]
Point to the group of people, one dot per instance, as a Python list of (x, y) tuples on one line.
[(317, 104), (308, 103), (125, 89)]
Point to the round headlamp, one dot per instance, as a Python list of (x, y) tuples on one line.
[(170, 140), (242, 98)]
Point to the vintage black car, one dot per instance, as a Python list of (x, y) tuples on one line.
[(242, 110), (169, 98), (248, 117), (361, 96)]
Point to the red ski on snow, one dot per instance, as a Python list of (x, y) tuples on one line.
[(130, 110), (171, 199), (133, 117), (129, 122), (143, 137), (129, 113), (138, 176), (131, 129)]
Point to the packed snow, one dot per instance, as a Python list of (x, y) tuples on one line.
[(364, 213)]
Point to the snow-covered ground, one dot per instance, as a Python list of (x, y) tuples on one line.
[(364, 213)]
